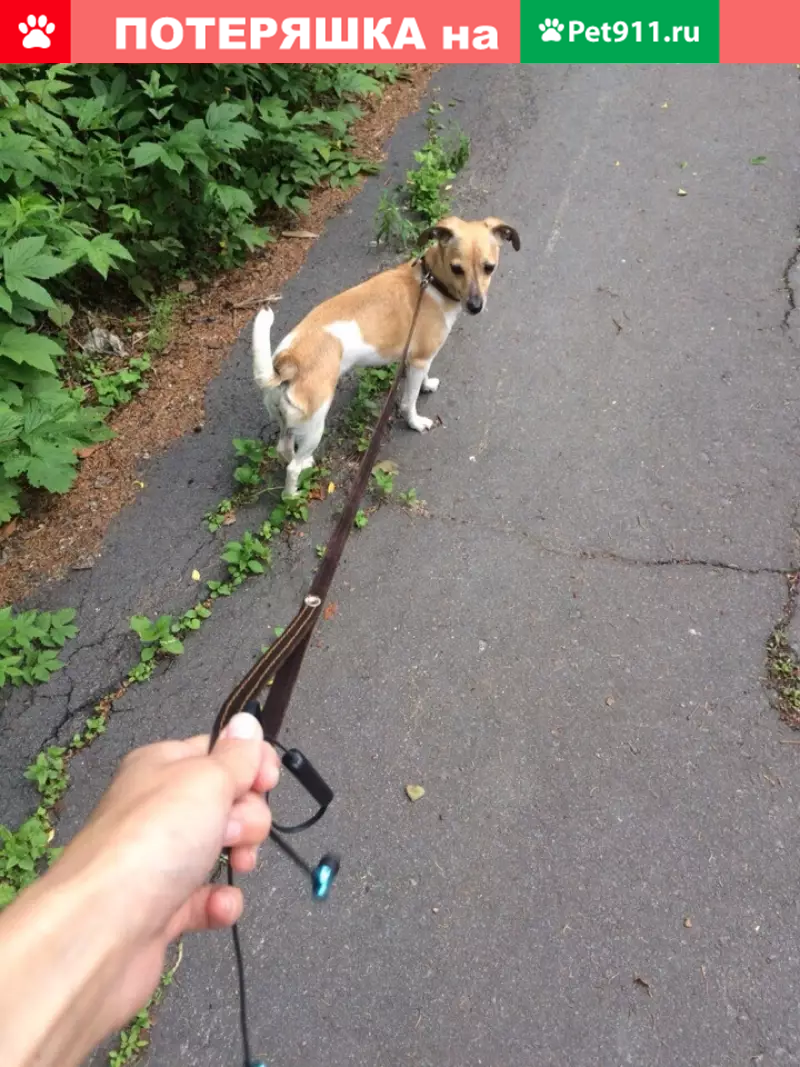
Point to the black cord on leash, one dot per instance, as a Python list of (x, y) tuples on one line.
[(321, 877)]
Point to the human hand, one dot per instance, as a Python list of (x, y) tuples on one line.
[(136, 877)]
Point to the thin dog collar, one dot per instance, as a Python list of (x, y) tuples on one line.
[(431, 279)]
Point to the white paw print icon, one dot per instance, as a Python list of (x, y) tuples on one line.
[(551, 29), (36, 36)]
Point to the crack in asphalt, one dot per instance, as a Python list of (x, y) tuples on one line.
[(608, 555), (792, 265)]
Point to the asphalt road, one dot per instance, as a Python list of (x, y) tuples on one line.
[(566, 650)]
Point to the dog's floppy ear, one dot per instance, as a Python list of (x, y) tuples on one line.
[(504, 232), (442, 234)]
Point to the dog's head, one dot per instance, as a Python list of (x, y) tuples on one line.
[(466, 254)]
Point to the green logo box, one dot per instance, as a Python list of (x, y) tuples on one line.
[(620, 31)]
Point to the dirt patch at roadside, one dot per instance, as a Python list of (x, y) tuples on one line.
[(64, 532)]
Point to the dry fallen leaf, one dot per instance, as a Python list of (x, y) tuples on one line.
[(187, 286), (609, 702), (330, 611), (304, 234), (415, 792), (681, 192), (8, 529), (139, 485), (665, 105), (195, 576), (687, 922), (331, 487), (388, 466), (229, 519), (84, 453)]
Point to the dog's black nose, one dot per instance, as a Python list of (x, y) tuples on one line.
[(474, 305)]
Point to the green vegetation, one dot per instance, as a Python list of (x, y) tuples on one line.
[(371, 384), (135, 1038), (29, 643), (134, 175), (25, 852), (421, 200), (783, 664), (26, 849)]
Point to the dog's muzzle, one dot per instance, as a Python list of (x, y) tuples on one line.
[(474, 304)]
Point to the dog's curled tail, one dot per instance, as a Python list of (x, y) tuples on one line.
[(263, 368)]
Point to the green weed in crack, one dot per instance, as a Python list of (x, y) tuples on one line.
[(392, 225), (783, 663), (158, 636), (409, 498), (244, 557), (25, 851), (255, 461), (29, 643), (135, 1038), (372, 383), (421, 200)]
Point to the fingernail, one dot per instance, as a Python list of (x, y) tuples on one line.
[(232, 832), (243, 727)]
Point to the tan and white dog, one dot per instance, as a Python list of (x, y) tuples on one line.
[(367, 326)]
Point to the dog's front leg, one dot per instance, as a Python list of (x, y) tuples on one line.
[(285, 445), (416, 377)]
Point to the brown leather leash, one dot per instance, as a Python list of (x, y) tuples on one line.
[(283, 659), (281, 663)]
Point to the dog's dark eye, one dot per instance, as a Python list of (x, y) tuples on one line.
[(488, 268), (456, 269)]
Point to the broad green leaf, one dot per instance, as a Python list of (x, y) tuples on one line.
[(60, 314), (24, 259), (9, 504), (54, 477), (33, 292), (44, 267), (234, 199), (30, 348), (142, 626), (145, 153), (18, 256), (10, 422)]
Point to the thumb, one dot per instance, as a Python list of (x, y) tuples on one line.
[(239, 751)]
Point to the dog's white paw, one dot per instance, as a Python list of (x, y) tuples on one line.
[(430, 385), (420, 423)]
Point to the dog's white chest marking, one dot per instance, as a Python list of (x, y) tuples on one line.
[(449, 313), (450, 320), (355, 350)]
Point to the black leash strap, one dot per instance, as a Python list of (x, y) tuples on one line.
[(281, 663)]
